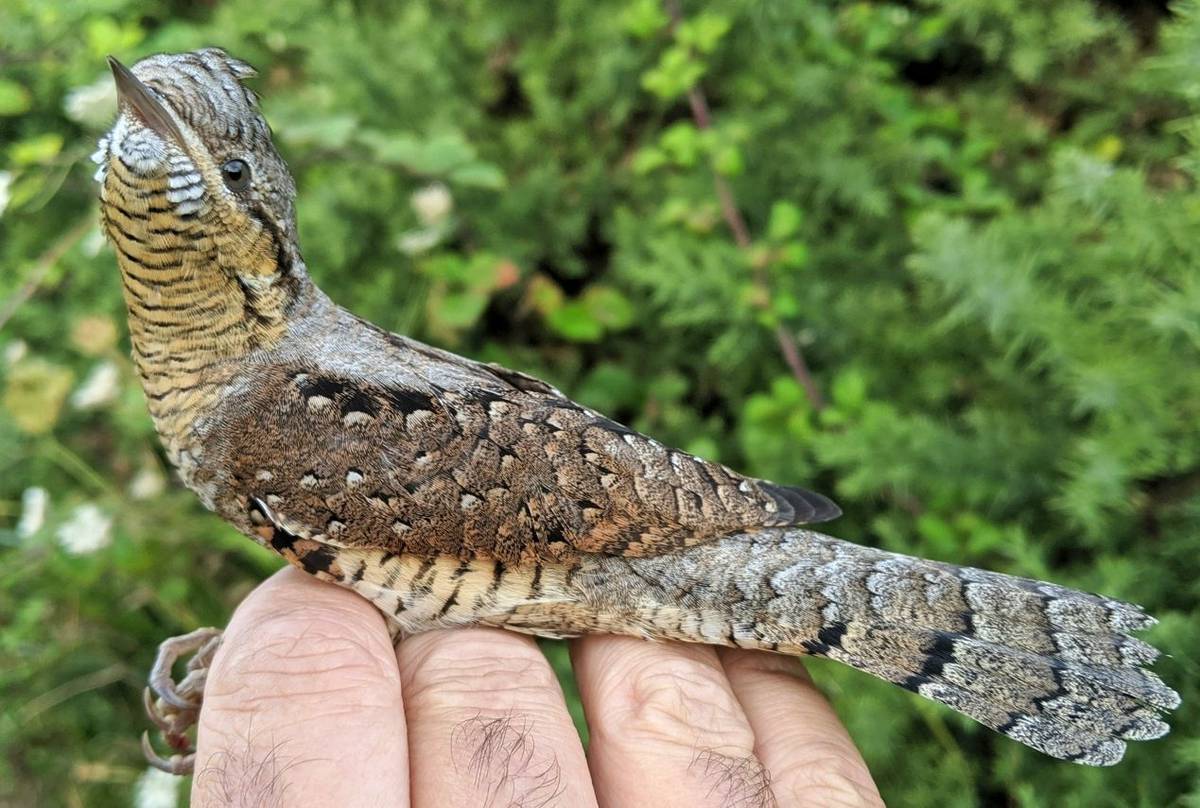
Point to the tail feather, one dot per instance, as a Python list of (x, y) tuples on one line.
[(1038, 617), (1041, 732), (1050, 667), (987, 666), (1070, 730)]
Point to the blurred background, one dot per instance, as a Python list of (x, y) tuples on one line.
[(937, 258)]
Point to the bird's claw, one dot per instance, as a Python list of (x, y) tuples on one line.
[(175, 707)]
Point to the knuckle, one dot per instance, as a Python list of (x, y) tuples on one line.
[(481, 672)]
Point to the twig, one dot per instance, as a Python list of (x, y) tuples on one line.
[(80, 684), (78, 468), (788, 346), (42, 266), (795, 361)]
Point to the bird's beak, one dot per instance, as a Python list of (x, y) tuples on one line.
[(141, 99)]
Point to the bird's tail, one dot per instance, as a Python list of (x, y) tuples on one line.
[(1051, 667)]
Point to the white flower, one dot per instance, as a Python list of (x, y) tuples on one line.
[(6, 178), (147, 483), (15, 351), (89, 529), (415, 242), (99, 388), (34, 502), (92, 104), (93, 243), (156, 789), (432, 204)]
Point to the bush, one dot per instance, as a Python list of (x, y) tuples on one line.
[(976, 220)]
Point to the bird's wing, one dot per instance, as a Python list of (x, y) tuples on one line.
[(512, 470)]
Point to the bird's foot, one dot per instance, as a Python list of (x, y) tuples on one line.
[(174, 707)]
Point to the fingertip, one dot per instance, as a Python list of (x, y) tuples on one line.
[(303, 697), (798, 735), (666, 729), (487, 722)]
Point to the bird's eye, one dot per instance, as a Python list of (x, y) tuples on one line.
[(236, 174)]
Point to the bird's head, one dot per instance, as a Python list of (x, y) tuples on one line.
[(189, 169)]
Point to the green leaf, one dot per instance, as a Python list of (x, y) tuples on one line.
[(849, 390), (793, 255), (574, 321), (437, 155), (478, 174), (321, 131), (608, 306), (106, 36), (399, 148), (545, 295), (704, 447), (649, 158), (784, 305), (704, 31), (674, 74), (447, 267), (785, 220), (728, 161), (610, 387), (682, 142), (35, 393), (644, 18), (461, 309), (443, 153), (36, 149), (940, 534), (14, 99)]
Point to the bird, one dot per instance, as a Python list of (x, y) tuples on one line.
[(451, 492)]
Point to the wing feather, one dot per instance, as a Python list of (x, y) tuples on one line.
[(512, 470)]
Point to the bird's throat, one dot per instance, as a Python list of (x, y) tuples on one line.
[(193, 315)]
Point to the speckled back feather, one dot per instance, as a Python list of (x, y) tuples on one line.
[(490, 469)]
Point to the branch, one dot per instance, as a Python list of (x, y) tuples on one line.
[(788, 346)]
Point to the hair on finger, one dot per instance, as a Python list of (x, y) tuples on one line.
[(738, 781), (245, 775), (501, 756)]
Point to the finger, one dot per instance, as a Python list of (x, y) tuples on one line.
[(798, 737), (665, 726), (487, 722), (302, 705)]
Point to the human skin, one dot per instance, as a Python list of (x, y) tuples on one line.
[(309, 704)]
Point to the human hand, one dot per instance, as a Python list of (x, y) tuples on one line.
[(308, 704)]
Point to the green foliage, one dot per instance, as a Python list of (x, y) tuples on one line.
[(977, 219)]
